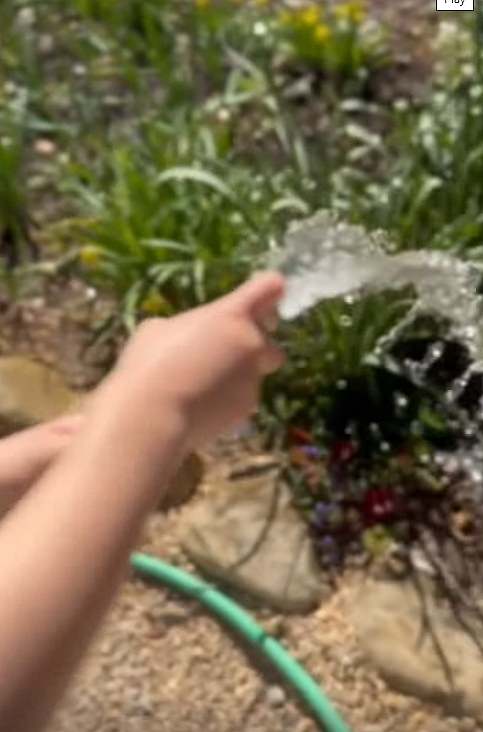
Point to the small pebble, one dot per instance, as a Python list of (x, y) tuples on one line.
[(276, 696), (274, 626), (46, 44)]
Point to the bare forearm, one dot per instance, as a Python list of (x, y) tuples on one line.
[(63, 552), (63, 548)]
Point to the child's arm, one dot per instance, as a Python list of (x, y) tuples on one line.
[(25, 455), (63, 549)]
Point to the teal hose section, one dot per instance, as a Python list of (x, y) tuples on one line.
[(234, 616)]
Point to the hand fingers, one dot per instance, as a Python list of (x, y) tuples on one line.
[(258, 297), (272, 359), (67, 425), (267, 320)]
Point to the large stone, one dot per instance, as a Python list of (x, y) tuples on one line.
[(423, 652), (30, 393), (248, 535)]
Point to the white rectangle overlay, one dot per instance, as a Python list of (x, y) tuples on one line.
[(455, 4)]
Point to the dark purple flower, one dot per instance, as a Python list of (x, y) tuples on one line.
[(311, 451), (321, 514), (328, 550)]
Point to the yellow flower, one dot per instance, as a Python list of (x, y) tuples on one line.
[(322, 33), (309, 15), (155, 304), (353, 11), (202, 4), (90, 256)]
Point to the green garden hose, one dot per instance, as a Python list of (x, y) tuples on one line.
[(233, 615)]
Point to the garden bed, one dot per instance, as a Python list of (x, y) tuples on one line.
[(151, 155)]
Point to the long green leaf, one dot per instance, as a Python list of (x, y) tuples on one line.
[(168, 244), (196, 175)]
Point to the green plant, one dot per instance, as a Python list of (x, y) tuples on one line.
[(169, 220), (15, 227), (327, 383), (428, 193), (335, 39)]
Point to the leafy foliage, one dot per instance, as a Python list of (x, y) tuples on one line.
[(190, 133), (173, 217), (429, 195), (336, 39)]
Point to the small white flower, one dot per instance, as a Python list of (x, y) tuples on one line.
[(10, 88), (79, 70), (401, 105), (26, 18), (259, 28), (45, 147), (223, 114)]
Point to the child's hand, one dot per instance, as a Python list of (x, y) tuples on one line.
[(208, 362), (48, 439), (26, 454)]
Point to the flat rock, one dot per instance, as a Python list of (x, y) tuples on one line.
[(390, 623), (248, 535), (30, 393)]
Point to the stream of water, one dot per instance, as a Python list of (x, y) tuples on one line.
[(324, 258)]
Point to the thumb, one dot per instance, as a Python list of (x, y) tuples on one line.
[(258, 297)]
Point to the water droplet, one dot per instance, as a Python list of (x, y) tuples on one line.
[(467, 462), (401, 400), (435, 352), (476, 476), (451, 465), (345, 321)]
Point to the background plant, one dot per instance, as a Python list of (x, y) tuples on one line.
[(173, 222), (336, 39), (190, 133), (427, 195)]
